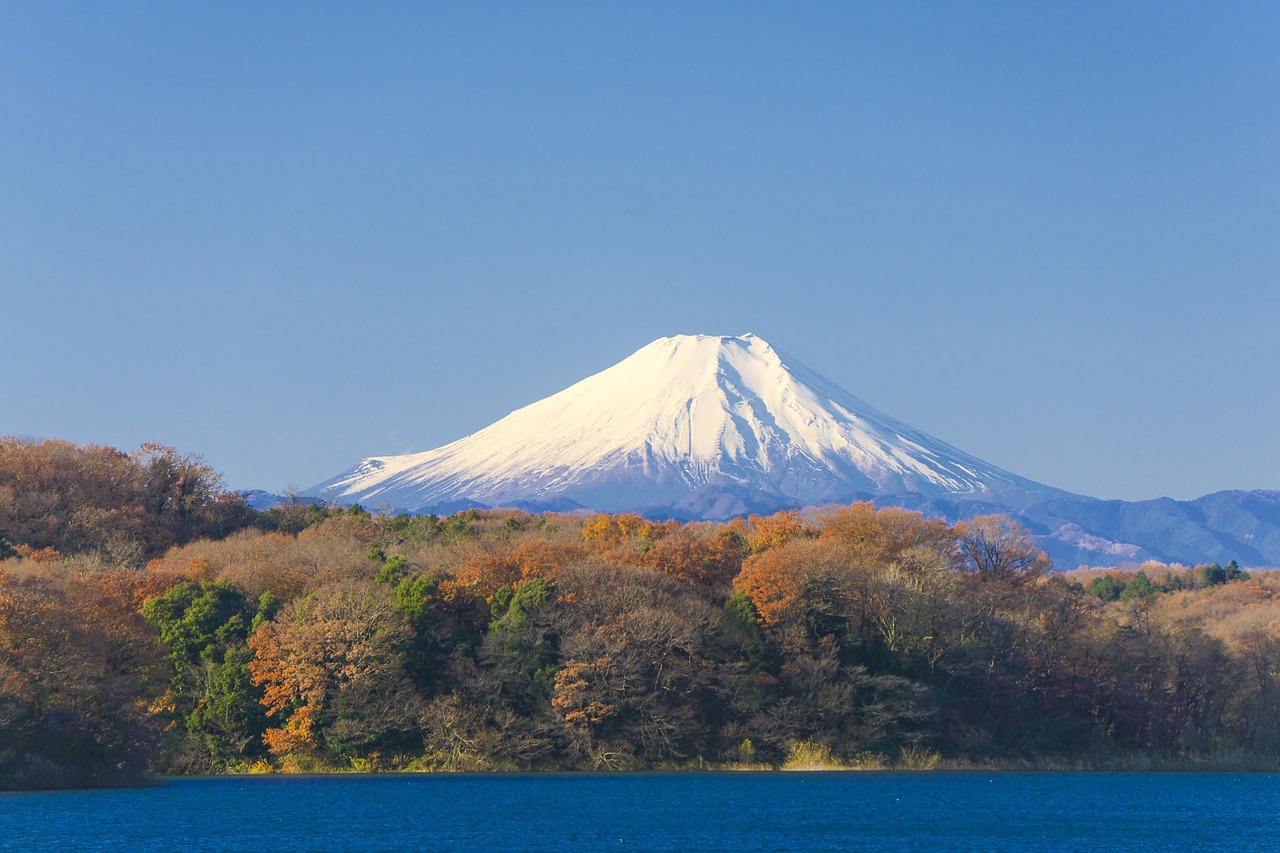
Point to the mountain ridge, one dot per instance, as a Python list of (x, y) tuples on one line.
[(701, 427), (712, 426)]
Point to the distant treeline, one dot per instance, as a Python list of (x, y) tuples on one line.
[(122, 508), (150, 622)]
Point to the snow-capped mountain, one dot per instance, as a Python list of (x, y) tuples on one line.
[(693, 426)]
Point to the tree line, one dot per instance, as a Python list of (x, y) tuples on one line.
[(215, 639)]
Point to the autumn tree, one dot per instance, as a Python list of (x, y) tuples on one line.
[(998, 548), (73, 689), (79, 498), (881, 536), (483, 575), (186, 496), (542, 558), (604, 529), (769, 531), (635, 684), (503, 640), (332, 669), (708, 560), (782, 580)]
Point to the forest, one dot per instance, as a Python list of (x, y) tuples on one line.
[(152, 623)]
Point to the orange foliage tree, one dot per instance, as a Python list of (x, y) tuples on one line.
[(882, 536), (778, 579), (483, 575), (697, 561), (770, 531), (332, 670), (540, 558)]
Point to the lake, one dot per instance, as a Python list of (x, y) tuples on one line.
[(660, 811)]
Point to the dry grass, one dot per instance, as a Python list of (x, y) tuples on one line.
[(809, 756)]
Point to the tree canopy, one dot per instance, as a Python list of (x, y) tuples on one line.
[(336, 639)]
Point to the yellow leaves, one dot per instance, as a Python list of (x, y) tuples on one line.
[(164, 704), (1240, 613), (599, 528), (605, 529), (881, 536), (810, 755)]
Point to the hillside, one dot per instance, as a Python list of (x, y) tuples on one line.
[(501, 640)]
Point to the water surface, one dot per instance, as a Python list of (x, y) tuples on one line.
[(685, 811)]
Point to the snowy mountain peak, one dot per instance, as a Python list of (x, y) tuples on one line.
[(693, 425)]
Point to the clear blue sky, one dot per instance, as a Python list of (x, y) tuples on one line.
[(288, 236)]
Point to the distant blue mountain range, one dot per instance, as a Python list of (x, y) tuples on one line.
[(1232, 525), (1217, 528)]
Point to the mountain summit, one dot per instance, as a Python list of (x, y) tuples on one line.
[(692, 426)]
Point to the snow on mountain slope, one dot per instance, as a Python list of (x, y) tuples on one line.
[(697, 425)]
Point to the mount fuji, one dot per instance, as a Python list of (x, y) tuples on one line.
[(691, 426)]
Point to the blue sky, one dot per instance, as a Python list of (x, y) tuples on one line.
[(287, 236)]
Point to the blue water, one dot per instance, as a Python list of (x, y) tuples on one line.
[(687, 811)]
